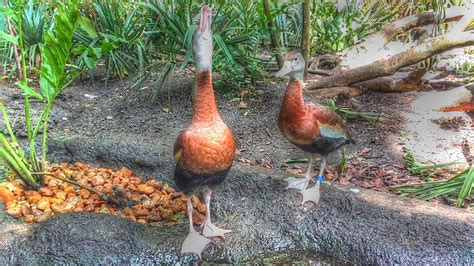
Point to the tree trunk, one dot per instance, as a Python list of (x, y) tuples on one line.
[(306, 40), (274, 37)]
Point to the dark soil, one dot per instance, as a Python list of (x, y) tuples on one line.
[(375, 162), (115, 108)]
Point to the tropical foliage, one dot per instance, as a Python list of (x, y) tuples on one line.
[(119, 42), (54, 75), (135, 39)]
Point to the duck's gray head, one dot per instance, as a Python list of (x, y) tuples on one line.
[(202, 42), (293, 66)]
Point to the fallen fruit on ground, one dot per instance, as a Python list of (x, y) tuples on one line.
[(143, 201)]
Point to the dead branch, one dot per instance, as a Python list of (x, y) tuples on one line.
[(320, 72), (378, 60), (442, 83), (389, 66), (345, 92), (399, 82), (317, 64)]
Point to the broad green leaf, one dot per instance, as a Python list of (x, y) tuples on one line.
[(106, 47), (90, 63), (97, 52), (29, 91), (86, 25), (56, 50)]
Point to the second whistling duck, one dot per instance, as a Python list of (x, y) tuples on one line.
[(313, 128), (204, 152)]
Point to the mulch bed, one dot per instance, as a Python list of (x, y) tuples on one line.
[(151, 202)]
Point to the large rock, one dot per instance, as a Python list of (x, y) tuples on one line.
[(351, 224)]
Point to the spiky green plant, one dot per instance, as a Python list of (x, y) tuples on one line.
[(33, 26), (288, 22), (171, 27), (459, 186), (423, 171), (6, 51), (118, 42), (34, 19)]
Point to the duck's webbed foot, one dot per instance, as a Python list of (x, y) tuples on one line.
[(312, 194), (299, 183), (210, 230), (194, 243)]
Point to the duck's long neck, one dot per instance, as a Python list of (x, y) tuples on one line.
[(293, 100), (205, 108)]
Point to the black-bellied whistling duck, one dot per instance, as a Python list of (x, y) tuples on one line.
[(204, 152), (313, 128)]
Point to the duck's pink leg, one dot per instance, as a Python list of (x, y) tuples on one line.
[(194, 242)]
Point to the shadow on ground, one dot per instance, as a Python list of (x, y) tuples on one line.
[(349, 224)]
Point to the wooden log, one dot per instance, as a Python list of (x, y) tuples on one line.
[(390, 65)]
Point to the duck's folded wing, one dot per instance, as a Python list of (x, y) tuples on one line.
[(178, 145)]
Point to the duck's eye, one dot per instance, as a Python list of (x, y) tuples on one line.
[(296, 58)]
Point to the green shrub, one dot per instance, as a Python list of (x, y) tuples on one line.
[(171, 26), (334, 30), (33, 22), (118, 41)]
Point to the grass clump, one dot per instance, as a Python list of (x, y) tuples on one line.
[(460, 185), (349, 114)]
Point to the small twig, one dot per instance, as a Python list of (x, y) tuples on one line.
[(268, 133), (100, 194), (296, 161)]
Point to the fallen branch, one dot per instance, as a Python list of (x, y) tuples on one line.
[(399, 82), (387, 59), (345, 92), (391, 65), (441, 83)]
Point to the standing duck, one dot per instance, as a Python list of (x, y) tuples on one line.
[(204, 152), (313, 128)]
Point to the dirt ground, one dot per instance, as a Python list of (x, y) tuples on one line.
[(375, 162)]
